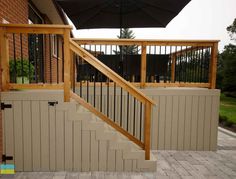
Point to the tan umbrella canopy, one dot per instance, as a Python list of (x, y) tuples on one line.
[(90, 14)]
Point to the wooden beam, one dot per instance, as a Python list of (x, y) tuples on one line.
[(147, 129), (87, 41), (35, 29), (109, 73), (106, 119), (143, 66), (4, 56), (67, 62), (36, 86), (176, 84), (213, 66), (173, 62)]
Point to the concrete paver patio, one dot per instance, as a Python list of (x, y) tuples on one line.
[(170, 164)]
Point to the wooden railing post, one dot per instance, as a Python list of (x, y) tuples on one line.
[(173, 62), (213, 65), (147, 128), (4, 58), (143, 65), (67, 63)]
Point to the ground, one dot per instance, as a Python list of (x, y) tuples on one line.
[(228, 108), (171, 164)]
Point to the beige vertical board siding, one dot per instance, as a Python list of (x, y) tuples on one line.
[(154, 125), (162, 115), (9, 131), (68, 143), (181, 122), (174, 123), (36, 127), (128, 165), (18, 135), (85, 150), (119, 161), (52, 138), (60, 139), (94, 152), (214, 122), (27, 135), (77, 148), (207, 123), (168, 122), (44, 120), (102, 165), (200, 124), (194, 122), (187, 124), (111, 160)]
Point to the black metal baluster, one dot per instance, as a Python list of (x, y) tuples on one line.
[(134, 117), (87, 90), (165, 70), (114, 115), (21, 55), (14, 56), (50, 57), (62, 51), (57, 43), (121, 101), (94, 88), (202, 61), (108, 81), (199, 64), (141, 117), (127, 125), (101, 95), (73, 67)]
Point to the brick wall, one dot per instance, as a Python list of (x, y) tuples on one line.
[(14, 12)]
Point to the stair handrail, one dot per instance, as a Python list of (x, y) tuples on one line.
[(89, 58)]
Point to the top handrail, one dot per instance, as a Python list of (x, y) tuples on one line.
[(108, 72), (35, 28), (97, 41)]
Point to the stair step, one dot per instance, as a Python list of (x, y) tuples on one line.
[(92, 125), (105, 135), (134, 154), (147, 165)]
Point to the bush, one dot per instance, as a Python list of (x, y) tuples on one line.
[(21, 68)]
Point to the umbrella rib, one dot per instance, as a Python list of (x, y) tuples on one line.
[(161, 8)]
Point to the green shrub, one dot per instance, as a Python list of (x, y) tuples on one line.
[(21, 68)]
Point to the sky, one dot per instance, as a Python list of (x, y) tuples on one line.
[(200, 19)]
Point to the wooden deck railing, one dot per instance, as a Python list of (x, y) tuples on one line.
[(188, 63), (47, 56)]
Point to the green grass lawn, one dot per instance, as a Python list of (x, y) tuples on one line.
[(228, 108)]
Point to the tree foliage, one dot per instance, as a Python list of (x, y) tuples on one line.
[(227, 64), (126, 33)]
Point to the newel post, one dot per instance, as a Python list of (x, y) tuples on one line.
[(67, 63), (147, 128), (4, 58), (213, 65), (143, 65)]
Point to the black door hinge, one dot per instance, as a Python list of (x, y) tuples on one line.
[(5, 158), (52, 103), (3, 106)]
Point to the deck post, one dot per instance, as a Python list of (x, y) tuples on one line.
[(147, 128), (213, 65), (173, 62), (143, 65), (4, 56), (67, 62)]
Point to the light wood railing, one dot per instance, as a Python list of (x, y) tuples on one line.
[(174, 49)]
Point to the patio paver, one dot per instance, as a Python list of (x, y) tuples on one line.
[(170, 164)]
